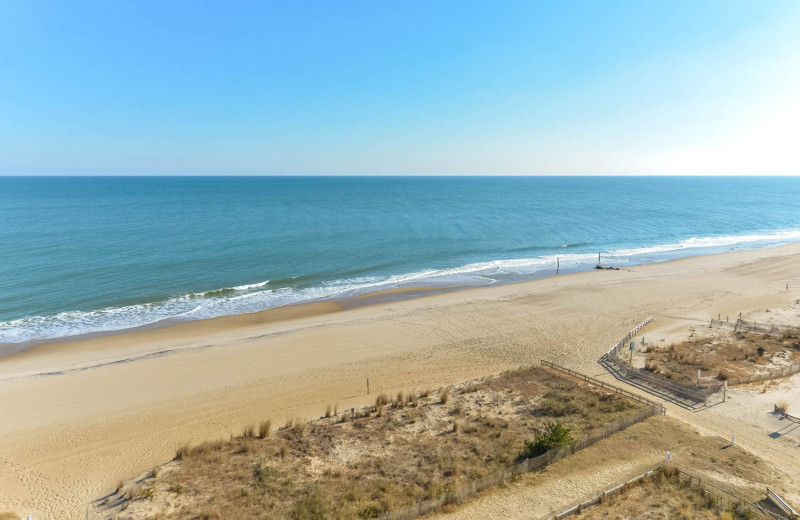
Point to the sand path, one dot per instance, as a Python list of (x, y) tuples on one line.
[(120, 405)]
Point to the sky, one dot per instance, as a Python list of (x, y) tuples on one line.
[(366, 87)]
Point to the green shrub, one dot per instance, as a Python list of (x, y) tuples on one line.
[(370, 511), (555, 435)]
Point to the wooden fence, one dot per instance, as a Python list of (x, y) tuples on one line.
[(614, 351), (786, 415), (582, 506), (470, 489), (687, 478), (781, 504), (696, 393), (772, 373), (607, 386), (754, 326), (766, 328)]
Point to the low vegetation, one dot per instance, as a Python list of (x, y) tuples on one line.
[(723, 354), (668, 496), (362, 463), (555, 435)]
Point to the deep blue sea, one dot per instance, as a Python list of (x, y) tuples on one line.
[(88, 254)]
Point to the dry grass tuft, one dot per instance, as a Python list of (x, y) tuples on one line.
[(182, 452), (264, 429), (249, 431), (382, 400), (445, 396), (783, 406)]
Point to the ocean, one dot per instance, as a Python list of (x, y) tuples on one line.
[(84, 255)]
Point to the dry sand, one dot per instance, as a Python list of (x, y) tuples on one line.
[(79, 416)]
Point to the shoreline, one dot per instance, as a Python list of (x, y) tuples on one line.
[(314, 306), (114, 406), (148, 342)]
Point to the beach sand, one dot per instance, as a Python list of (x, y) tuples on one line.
[(79, 416)]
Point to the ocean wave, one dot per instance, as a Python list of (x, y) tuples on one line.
[(707, 242), (269, 294), (251, 286)]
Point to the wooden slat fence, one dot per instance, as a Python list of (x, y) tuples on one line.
[(786, 415), (754, 326), (470, 489), (607, 386), (781, 504), (690, 479), (696, 393)]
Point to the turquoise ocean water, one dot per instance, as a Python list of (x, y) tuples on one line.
[(85, 254)]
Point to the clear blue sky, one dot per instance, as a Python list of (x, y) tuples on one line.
[(412, 87)]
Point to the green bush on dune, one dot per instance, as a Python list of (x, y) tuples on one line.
[(555, 435)]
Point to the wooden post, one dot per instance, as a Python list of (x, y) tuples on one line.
[(367, 386)]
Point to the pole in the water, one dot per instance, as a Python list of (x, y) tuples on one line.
[(598, 257), (558, 265)]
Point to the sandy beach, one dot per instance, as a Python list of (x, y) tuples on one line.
[(79, 416)]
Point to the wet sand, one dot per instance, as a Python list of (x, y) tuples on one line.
[(79, 416)]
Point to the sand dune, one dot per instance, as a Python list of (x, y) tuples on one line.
[(78, 416)]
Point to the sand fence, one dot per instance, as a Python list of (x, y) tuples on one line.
[(471, 489), (686, 479), (612, 361)]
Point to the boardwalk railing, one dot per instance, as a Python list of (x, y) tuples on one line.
[(470, 489), (614, 351), (589, 379), (695, 393), (689, 480), (781, 504)]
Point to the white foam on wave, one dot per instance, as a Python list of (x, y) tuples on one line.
[(706, 242), (258, 296), (251, 286)]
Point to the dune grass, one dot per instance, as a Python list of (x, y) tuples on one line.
[(721, 355), (361, 464)]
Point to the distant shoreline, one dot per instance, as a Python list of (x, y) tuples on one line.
[(316, 306)]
